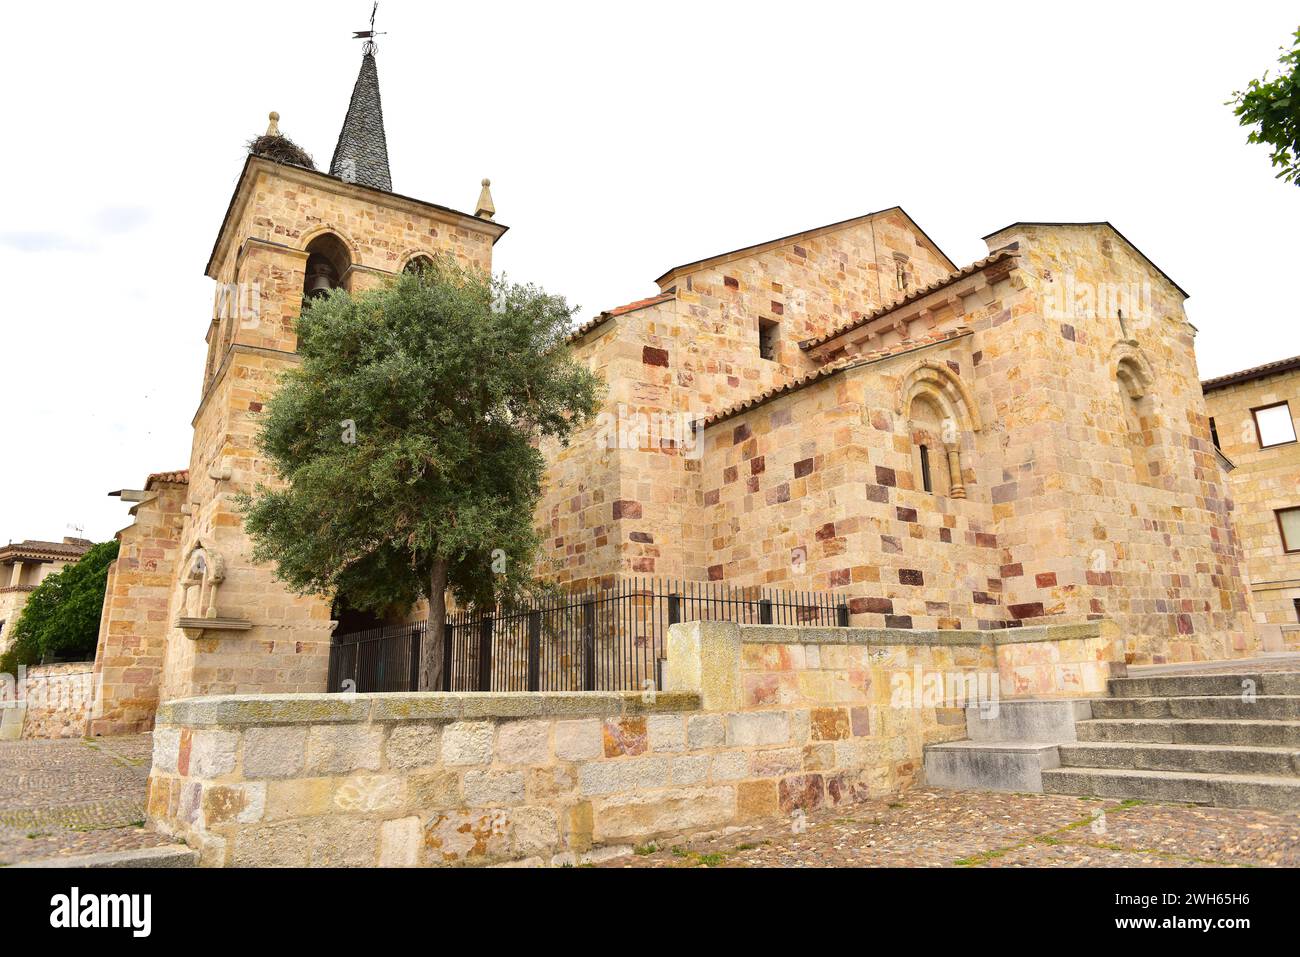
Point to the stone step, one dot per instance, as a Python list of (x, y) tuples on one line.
[(1194, 731), (1258, 708), (989, 765), (1166, 686), (1205, 758), (1184, 787), (167, 855)]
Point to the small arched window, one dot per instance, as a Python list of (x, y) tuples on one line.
[(929, 460)]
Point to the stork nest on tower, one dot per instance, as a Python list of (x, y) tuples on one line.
[(280, 149)]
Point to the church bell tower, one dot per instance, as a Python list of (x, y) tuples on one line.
[(290, 232)]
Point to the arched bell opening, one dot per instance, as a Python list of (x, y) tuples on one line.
[(328, 266)]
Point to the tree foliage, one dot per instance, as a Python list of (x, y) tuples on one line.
[(407, 440), (61, 617), (1273, 109)]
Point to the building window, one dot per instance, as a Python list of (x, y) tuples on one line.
[(767, 338), (418, 265), (900, 271), (926, 483), (1294, 601), (1273, 425), (1288, 525), (1214, 435)]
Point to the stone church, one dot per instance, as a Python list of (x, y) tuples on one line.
[(1020, 440)]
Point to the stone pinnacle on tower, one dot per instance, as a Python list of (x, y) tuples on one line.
[(361, 155), (485, 208)]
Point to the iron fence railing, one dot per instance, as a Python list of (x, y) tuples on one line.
[(606, 639)]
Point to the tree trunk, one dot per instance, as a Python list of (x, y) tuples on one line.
[(431, 677)]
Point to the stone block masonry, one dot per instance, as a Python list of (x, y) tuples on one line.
[(47, 701), (756, 722)]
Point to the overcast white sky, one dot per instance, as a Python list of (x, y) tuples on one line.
[(621, 139)]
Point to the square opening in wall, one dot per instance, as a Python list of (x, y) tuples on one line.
[(1273, 425)]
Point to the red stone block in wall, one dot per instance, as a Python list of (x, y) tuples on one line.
[(877, 606), (626, 509), (1033, 609), (1045, 579), (654, 357)]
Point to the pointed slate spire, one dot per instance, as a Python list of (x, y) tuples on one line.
[(361, 155)]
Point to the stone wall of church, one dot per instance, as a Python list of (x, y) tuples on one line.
[(819, 489), (1264, 481), (1091, 489), (1112, 502), (624, 498), (135, 623), (809, 285), (287, 646)]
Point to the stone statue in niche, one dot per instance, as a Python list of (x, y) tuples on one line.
[(205, 570)]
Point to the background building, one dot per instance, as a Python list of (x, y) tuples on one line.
[(23, 566), (1253, 418)]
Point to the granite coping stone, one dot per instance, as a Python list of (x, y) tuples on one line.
[(281, 709), (795, 635)]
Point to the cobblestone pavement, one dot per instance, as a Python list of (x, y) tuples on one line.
[(931, 827), (73, 796)]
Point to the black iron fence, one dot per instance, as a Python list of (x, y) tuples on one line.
[(610, 639)]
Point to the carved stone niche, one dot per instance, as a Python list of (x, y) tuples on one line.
[(204, 571)]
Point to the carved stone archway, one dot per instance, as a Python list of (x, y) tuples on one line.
[(935, 384)]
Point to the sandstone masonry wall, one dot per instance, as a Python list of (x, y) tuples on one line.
[(134, 626), (757, 722), (1264, 480), (57, 700)]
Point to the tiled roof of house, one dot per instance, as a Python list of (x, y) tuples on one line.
[(608, 314), (361, 154), (180, 477), (837, 366), (1248, 375), (1007, 252), (34, 549)]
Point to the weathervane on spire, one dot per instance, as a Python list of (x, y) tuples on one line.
[(368, 49)]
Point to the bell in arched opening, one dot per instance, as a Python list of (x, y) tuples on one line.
[(327, 268), (321, 278)]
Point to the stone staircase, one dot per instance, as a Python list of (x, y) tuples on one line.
[(1230, 740)]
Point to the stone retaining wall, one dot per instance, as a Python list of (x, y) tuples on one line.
[(56, 699), (756, 722)]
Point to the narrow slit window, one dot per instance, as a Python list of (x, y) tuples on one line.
[(1214, 435), (1273, 425), (1296, 603), (767, 338), (925, 469)]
